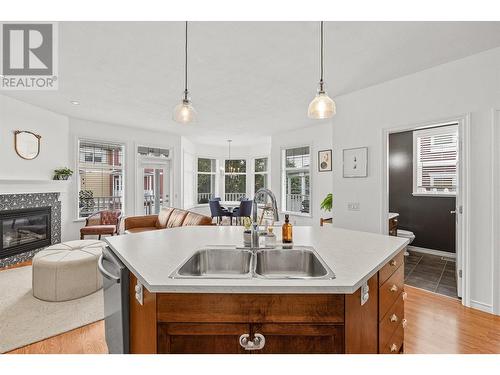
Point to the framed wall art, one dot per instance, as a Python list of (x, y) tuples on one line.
[(325, 161), (355, 162)]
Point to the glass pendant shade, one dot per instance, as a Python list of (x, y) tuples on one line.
[(184, 112), (321, 107)]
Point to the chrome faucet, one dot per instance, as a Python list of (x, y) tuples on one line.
[(255, 225)]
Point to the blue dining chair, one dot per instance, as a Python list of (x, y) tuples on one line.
[(244, 210), (219, 199), (217, 211)]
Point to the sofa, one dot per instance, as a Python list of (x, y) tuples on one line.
[(168, 217)]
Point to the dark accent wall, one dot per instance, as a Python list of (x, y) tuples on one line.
[(428, 218)]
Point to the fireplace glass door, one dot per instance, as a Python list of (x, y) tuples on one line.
[(24, 230)]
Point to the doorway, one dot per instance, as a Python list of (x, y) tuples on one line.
[(155, 188), (153, 181), (425, 184)]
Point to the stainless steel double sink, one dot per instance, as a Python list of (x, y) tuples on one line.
[(236, 263)]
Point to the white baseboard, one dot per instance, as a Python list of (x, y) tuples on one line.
[(424, 250), (481, 306)]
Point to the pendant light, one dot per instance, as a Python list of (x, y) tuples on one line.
[(322, 106), (184, 111)]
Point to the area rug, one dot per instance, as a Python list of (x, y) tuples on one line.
[(25, 319)]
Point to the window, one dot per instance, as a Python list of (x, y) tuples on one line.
[(295, 187), (260, 173), (100, 175), (435, 158), (235, 179), (206, 180)]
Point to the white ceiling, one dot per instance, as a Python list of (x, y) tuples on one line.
[(247, 79)]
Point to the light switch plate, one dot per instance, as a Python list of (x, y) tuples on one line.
[(353, 206)]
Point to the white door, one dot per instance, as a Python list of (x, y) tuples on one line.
[(153, 187)]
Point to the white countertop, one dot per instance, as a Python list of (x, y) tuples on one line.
[(353, 256)]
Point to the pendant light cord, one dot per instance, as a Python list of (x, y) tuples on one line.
[(321, 58), (186, 64)]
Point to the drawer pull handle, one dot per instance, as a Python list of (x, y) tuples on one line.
[(394, 288), (394, 348), (404, 323), (405, 296), (394, 318), (257, 343), (393, 263)]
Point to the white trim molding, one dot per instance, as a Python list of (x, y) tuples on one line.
[(495, 222), (481, 306), (424, 250)]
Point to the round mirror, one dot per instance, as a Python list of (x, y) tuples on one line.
[(27, 144)]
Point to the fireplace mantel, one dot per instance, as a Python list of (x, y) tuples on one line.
[(25, 186)]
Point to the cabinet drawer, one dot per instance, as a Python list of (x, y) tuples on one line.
[(300, 338), (392, 319), (390, 267), (390, 291), (250, 308), (395, 343)]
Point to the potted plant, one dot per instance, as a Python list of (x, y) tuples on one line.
[(62, 173), (326, 206)]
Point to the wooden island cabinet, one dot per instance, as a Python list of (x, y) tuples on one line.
[(273, 323)]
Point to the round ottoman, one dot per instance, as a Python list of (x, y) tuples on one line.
[(67, 270)]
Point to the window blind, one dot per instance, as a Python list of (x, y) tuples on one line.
[(436, 159)]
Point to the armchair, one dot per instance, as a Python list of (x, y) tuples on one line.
[(102, 222)]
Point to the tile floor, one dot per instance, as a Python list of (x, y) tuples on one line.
[(430, 272)]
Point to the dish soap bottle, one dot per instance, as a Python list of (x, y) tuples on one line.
[(287, 230), (270, 239)]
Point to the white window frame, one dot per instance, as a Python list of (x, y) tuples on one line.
[(438, 129), (77, 168), (284, 169), (216, 183), (267, 172)]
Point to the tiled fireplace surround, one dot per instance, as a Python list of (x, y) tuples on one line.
[(31, 200)]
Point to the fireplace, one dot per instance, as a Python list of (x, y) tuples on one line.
[(24, 230)]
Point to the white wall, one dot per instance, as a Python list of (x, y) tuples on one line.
[(131, 138), (467, 85), (17, 115), (54, 150), (319, 137)]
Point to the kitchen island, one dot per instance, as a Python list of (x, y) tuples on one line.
[(361, 310)]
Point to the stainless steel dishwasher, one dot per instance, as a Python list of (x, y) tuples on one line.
[(116, 302)]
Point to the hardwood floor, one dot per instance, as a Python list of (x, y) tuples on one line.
[(439, 324), (88, 339), (436, 324)]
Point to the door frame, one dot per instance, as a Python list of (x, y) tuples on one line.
[(462, 197), (147, 164), (145, 160), (495, 222)]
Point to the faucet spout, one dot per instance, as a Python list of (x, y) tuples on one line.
[(255, 225)]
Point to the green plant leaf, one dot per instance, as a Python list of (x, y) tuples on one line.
[(327, 203)]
